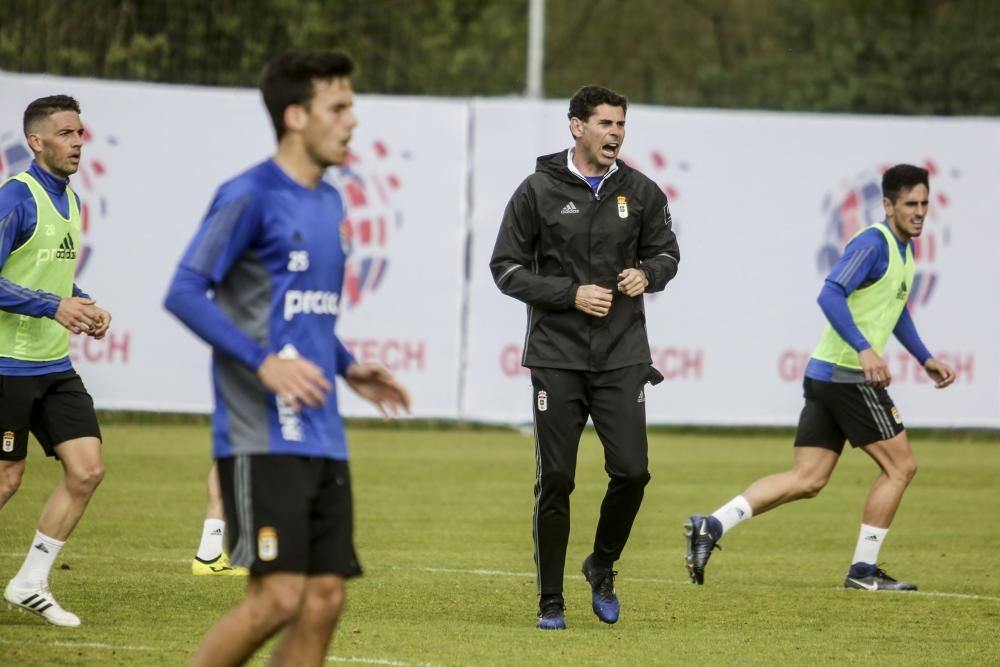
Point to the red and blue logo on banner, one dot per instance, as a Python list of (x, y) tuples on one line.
[(372, 218)]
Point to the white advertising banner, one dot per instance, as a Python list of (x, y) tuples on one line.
[(762, 205), (154, 156)]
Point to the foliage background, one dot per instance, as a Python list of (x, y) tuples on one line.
[(887, 56)]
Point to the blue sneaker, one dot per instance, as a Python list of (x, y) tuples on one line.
[(867, 577), (551, 616), (701, 540), (602, 588)]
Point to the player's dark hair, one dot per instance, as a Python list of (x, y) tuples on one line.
[(289, 79), (903, 177), (44, 107), (588, 98)]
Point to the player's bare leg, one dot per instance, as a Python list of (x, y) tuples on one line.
[(213, 507), (211, 559), (11, 473), (897, 466), (808, 476), (307, 637), (83, 472), (271, 602)]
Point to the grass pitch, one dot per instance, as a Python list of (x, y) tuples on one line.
[(444, 533)]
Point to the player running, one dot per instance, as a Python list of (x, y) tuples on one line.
[(864, 300)]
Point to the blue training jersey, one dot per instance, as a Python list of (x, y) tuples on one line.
[(264, 275)]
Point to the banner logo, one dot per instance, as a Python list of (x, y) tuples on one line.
[(369, 184), (15, 157), (857, 203), (664, 172)]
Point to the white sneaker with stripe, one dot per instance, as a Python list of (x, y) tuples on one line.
[(38, 600)]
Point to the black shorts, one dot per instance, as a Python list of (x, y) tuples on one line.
[(289, 513), (55, 407), (837, 411)]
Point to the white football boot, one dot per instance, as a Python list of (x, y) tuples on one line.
[(38, 600)]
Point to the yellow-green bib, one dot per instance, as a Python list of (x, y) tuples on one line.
[(875, 308), (47, 262)]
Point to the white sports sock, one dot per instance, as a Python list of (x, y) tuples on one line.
[(735, 512), (38, 563), (869, 542), (211, 539)]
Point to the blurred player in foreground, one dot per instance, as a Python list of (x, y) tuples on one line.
[(261, 283), (864, 300)]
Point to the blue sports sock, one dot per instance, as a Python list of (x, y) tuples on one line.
[(862, 570), (714, 527)]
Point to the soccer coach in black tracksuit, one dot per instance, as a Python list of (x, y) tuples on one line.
[(581, 240)]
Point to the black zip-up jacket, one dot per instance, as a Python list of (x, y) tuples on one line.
[(556, 235)]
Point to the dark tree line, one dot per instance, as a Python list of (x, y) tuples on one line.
[(870, 56)]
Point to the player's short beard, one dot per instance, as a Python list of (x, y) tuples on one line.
[(62, 168)]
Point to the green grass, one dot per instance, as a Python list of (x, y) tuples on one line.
[(443, 529)]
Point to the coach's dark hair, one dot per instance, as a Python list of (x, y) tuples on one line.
[(44, 107), (903, 177), (288, 80), (588, 98)]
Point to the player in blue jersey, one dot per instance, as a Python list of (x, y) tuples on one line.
[(40, 305), (864, 299), (261, 283)]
